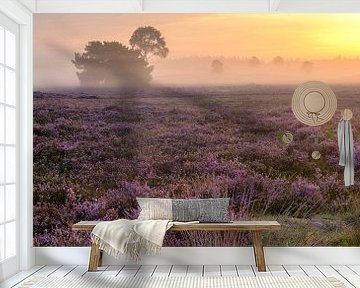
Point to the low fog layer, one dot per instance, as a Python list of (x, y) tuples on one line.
[(199, 71), (253, 70)]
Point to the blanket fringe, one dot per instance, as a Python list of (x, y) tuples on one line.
[(336, 283), (133, 248), (137, 244)]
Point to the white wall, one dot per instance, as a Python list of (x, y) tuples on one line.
[(210, 256)]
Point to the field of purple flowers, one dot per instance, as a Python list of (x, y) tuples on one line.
[(96, 151)]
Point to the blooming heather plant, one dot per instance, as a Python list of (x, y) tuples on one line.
[(96, 151)]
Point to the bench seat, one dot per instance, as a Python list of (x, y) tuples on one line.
[(255, 227)]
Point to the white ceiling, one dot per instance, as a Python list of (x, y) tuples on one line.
[(188, 6)]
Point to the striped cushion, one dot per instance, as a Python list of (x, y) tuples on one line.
[(213, 210), (155, 208)]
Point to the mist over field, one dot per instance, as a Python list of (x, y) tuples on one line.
[(242, 71), (195, 71)]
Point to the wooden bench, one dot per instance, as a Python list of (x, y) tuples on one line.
[(255, 227)]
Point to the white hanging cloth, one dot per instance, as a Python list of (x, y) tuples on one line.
[(346, 149)]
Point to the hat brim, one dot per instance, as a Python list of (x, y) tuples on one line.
[(317, 114)]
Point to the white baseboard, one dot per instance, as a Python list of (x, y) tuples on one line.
[(210, 256)]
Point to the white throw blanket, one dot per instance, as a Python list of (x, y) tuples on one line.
[(130, 237), (346, 149)]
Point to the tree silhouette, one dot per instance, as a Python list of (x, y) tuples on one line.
[(217, 66), (307, 66), (111, 64), (149, 41), (278, 61), (254, 61)]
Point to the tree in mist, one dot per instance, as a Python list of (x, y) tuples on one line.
[(217, 66), (254, 61), (278, 61), (307, 66), (111, 64), (149, 41)]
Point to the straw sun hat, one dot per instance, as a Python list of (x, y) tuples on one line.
[(314, 103)]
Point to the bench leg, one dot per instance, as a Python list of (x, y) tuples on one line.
[(259, 251), (255, 256), (95, 257)]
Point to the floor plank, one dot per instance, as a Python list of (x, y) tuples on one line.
[(355, 268), (261, 274), (162, 271), (229, 270), (97, 273), (46, 271), (212, 270), (20, 277), (62, 271), (278, 270), (348, 274), (245, 271), (328, 271), (294, 271), (129, 270), (78, 271), (146, 271), (112, 270), (311, 271), (178, 270), (195, 271)]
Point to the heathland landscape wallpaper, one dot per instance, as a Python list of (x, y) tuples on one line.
[(193, 106)]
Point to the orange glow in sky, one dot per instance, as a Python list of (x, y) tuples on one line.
[(292, 36)]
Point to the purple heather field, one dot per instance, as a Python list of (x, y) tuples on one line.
[(95, 151)]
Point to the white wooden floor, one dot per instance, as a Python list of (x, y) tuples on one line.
[(350, 275)]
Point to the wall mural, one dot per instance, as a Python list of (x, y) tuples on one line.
[(197, 106)]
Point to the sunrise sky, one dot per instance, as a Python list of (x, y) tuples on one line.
[(306, 37)]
